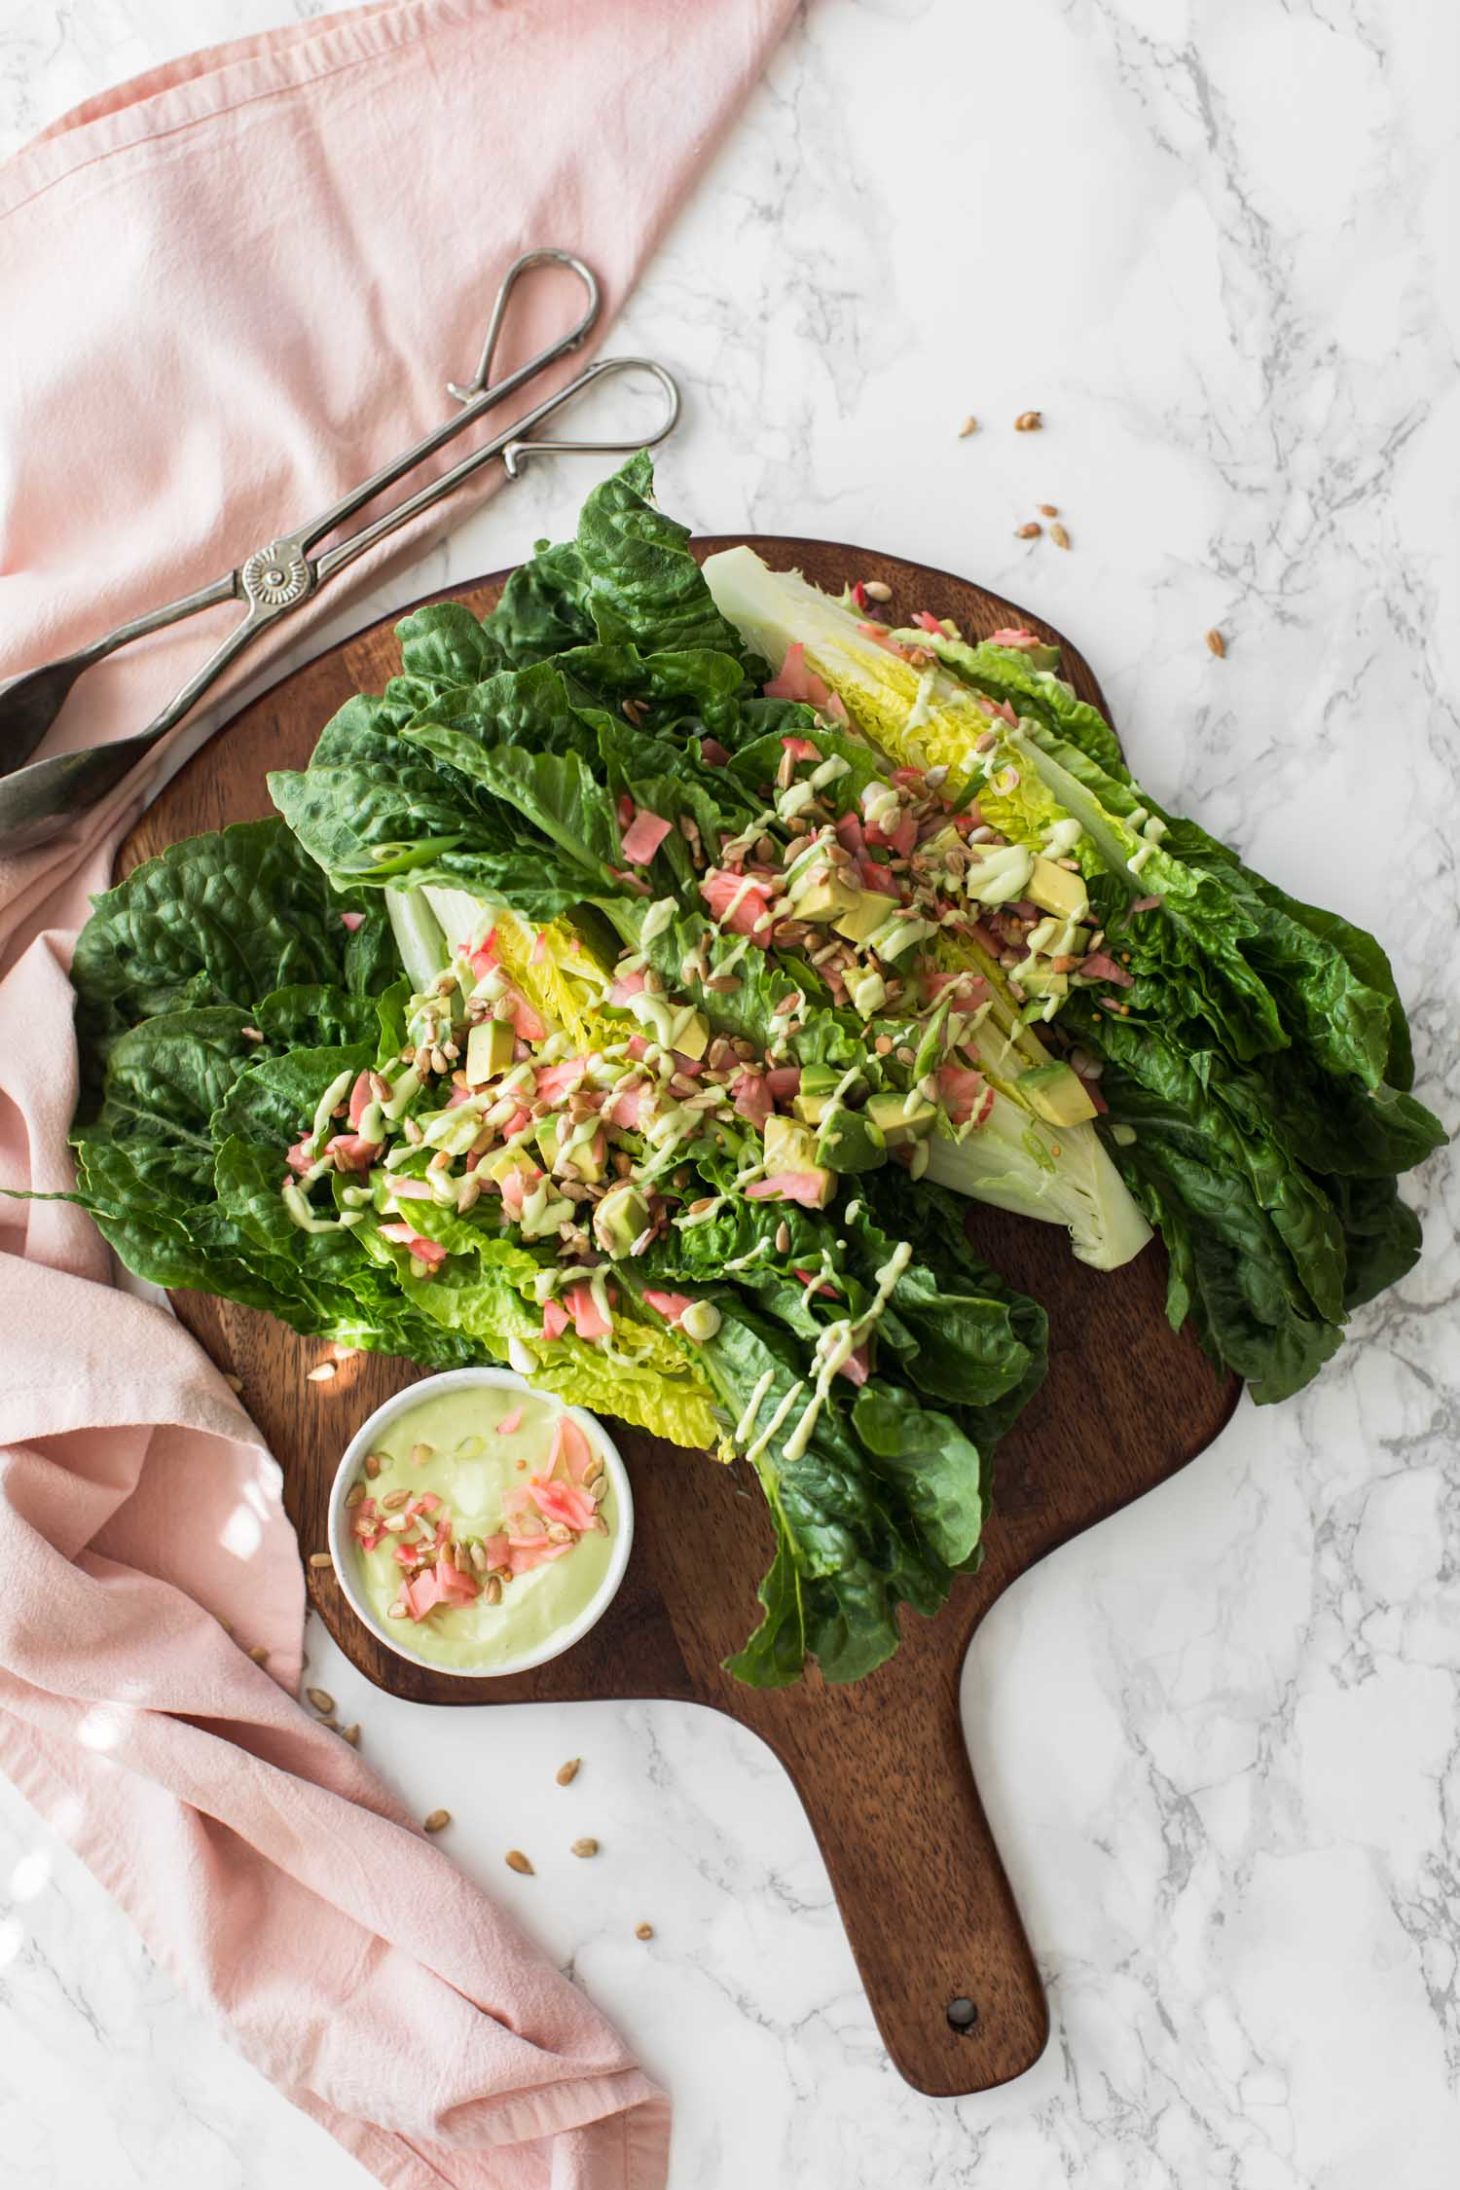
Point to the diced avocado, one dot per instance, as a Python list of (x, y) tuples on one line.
[(864, 915), (673, 1026), (1058, 890), (851, 1141), (828, 899), (621, 1217), (900, 1118), (1002, 873), (1042, 981), (819, 1079), (489, 1049), (561, 1143), (940, 843), (789, 1145), (1057, 1094), (818, 1084), (506, 1161), (1053, 938), (546, 1137), (690, 1035)]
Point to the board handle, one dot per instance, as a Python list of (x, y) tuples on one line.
[(930, 1914)]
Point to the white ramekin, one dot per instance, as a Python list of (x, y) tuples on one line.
[(345, 1553)]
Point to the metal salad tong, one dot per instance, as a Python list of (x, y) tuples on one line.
[(39, 799)]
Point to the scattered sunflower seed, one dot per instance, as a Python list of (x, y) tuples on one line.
[(875, 590), (1047, 509), (643, 1931), (567, 1773), (437, 1822), (234, 1383), (1029, 422), (322, 1372), (1059, 536), (420, 1454), (517, 1861), (586, 1846), (1216, 644), (352, 1735), (970, 425), (259, 1654), (1031, 531), (321, 1698), (321, 1558)]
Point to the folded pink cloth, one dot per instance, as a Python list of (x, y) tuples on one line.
[(229, 291)]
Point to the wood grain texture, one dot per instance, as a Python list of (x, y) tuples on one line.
[(881, 1766)]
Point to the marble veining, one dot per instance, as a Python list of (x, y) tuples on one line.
[(1215, 244)]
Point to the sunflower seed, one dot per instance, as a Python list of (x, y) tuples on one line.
[(437, 1822), (970, 425), (585, 1847), (1216, 644), (643, 1931), (1029, 422), (875, 590), (321, 1699), (320, 1558), (517, 1861), (567, 1773), (322, 1373)]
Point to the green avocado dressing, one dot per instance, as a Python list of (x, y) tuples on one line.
[(470, 1462)]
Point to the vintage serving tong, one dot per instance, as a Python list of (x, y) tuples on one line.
[(38, 800)]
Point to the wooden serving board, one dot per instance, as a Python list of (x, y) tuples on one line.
[(880, 1766)]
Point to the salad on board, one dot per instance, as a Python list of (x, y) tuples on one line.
[(641, 989)]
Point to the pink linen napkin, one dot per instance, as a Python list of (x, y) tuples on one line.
[(230, 290)]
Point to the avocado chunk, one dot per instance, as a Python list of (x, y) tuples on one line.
[(818, 1084), (558, 1144), (850, 1141), (825, 900), (489, 1050), (621, 1217), (864, 915), (506, 1161), (789, 1145), (1055, 938), (1057, 1094), (1058, 890), (1042, 981), (902, 1118), (690, 1035), (673, 1026)]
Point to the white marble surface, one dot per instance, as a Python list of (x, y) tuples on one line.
[(1214, 241)]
